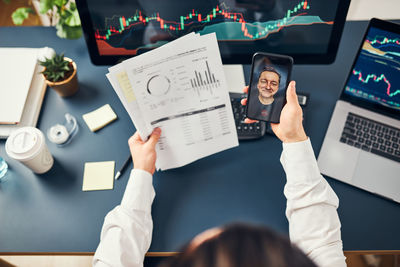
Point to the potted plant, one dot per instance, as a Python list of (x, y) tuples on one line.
[(61, 74), (62, 14)]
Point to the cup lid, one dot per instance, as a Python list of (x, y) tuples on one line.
[(23, 143)]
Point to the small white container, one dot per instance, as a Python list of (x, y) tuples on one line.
[(28, 146)]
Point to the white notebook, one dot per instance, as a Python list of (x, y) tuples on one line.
[(32, 103), (17, 67)]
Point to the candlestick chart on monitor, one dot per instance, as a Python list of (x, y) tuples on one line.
[(132, 29)]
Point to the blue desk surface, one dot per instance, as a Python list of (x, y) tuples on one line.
[(51, 213)]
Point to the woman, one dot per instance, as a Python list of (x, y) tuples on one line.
[(314, 225)]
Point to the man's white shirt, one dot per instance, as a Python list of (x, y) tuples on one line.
[(311, 210)]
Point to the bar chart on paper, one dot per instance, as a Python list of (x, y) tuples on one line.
[(204, 80)]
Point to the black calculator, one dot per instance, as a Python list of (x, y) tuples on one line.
[(247, 131)]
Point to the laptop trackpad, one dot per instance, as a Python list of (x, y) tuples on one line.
[(378, 175)]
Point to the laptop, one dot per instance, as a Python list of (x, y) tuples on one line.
[(362, 143)]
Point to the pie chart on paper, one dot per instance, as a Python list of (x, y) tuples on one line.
[(158, 85)]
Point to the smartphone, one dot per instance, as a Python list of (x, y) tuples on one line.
[(269, 78)]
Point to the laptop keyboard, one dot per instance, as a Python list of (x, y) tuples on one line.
[(372, 136)]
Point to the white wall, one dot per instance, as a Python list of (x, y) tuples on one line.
[(367, 9)]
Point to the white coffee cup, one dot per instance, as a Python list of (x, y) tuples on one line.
[(28, 146)]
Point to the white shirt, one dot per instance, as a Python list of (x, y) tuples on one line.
[(314, 224)]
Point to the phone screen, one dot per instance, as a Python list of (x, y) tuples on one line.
[(270, 76)]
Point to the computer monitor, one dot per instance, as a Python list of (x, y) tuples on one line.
[(307, 30)]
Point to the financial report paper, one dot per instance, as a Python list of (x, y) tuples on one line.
[(181, 88)]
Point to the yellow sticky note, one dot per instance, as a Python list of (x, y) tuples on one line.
[(126, 87), (98, 176), (100, 117)]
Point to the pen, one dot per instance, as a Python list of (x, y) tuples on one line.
[(126, 163)]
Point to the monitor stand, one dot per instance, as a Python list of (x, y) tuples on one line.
[(234, 77)]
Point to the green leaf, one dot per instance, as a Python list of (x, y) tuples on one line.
[(72, 18), (59, 3), (68, 32), (72, 6), (20, 14), (46, 5)]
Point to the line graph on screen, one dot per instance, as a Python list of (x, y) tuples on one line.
[(377, 79), (228, 26)]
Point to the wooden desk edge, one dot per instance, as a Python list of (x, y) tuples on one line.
[(166, 254), (148, 254)]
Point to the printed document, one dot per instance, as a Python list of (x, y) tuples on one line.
[(181, 88)]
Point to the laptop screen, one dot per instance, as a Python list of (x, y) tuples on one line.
[(375, 76)]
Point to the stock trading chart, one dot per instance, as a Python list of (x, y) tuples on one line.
[(137, 27), (376, 74)]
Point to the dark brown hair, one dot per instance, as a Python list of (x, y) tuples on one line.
[(270, 69), (242, 245)]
